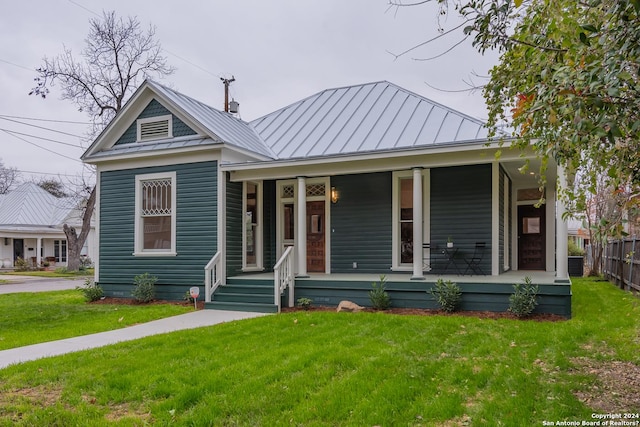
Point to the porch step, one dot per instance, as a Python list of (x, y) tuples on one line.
[(244, 295), (241, 306)]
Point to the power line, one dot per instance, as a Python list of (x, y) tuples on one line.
[(39, 146), (44, 120), (40, 137), (40, 127), (16, 65)]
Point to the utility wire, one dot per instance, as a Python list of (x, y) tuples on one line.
[(39, 137), (41, 127), (16, 65), (39, 146), (44, 120)]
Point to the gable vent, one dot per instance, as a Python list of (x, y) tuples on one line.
[(155, 128)]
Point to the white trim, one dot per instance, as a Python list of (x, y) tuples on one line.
[(301, 218), (96, 212), (167, 117), (495, 218), (221, 203), (395, 217), (551, 196), (138, 235), (170, 158), (505, 227), (259, 228)]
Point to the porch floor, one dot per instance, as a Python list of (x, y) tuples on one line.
[(510, 277)]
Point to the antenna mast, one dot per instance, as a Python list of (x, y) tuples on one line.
[(226, 83)]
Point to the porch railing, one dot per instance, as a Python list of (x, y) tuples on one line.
[(283, 277), (212, 276)]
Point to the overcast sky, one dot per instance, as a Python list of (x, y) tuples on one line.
[(279, 51)]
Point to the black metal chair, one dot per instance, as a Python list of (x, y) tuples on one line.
[(426, 256), (474, 262)]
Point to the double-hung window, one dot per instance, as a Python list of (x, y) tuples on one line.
[(155, 227)]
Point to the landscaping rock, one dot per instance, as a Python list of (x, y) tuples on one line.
[(349, 306)]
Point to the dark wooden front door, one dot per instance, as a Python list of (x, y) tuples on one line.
[(18, 249), (531, 238), (315, 237)]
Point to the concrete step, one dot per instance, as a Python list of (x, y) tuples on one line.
[(240, 306)]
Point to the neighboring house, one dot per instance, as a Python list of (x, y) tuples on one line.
[(354, 179), (31, 222)]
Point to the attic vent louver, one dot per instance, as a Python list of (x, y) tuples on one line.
[(155, 128)]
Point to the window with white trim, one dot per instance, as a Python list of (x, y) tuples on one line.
[(252, 235), (151, 128), (402, 216), (155, 228), (60, 250)]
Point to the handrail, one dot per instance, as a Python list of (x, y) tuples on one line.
[(283, 277), (212, 276)]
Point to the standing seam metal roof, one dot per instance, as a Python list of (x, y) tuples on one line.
[(31, 205), (363, 118)]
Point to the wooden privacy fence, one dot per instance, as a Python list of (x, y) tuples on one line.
[(622, 263)]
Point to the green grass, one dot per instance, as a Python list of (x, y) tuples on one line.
[(60, 272), (30, 318), (335, 369)]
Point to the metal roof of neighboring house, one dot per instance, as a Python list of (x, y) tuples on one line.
[(363, 118), (228, 128), (31, 205)]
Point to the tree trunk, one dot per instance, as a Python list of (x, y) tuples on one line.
[(75, 242)]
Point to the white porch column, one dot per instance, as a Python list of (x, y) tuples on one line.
[(38, 251), (562, 233), (301, 238), (417, 224)]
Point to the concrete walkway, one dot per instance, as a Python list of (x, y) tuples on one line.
[(191, 320)]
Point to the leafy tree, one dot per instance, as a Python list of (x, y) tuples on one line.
[(9, 176), (117, 56)]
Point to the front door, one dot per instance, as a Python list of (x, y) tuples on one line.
[(18, 249), (531, 238), (315, 237)]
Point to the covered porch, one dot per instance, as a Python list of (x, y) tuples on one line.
[(479, 293)]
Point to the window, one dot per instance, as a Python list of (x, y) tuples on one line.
[(155, 228), (252, 225), (403, 250), (406, 220), (60, 250), (155, 128)]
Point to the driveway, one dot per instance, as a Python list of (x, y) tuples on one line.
[(36, 284)]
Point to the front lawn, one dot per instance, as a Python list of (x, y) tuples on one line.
[(31, 318), (343, 369)]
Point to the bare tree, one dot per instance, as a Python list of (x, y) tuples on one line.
[(118, 55), (54, 186), (8, 178)]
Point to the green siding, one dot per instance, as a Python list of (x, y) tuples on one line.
[(152, 110), (461, 209), (196, 231), (269, 224), (234, 228), (361, 223)]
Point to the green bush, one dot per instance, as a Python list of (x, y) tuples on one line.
[(61, 270), (524, 299), (447, 295), (21, 264), (305, 303), (144, 287), (379, 297), (92, 291), (574, 249)]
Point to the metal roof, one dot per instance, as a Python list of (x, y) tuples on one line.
[(363, 118), (31, 205), (164, 144), (225, 126)]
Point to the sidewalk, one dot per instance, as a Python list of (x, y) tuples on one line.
[(37, 284), (191, 320)]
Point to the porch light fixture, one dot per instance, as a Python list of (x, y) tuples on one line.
[(334, 195)]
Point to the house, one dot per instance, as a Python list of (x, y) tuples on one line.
[(320, 198), (31, 221)]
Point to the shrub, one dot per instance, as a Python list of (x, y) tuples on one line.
[(524, 299), (574, 249), (92, 291), (144, 287), (21, 264), (61, 270), (379, 297), (305, 303), (447, 295)]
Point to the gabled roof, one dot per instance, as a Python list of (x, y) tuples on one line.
[(363, 118), (215, 127), (30, 205)]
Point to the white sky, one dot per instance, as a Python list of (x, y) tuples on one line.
[(279, 51)]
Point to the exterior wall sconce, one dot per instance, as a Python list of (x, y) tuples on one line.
[(334, 195)]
